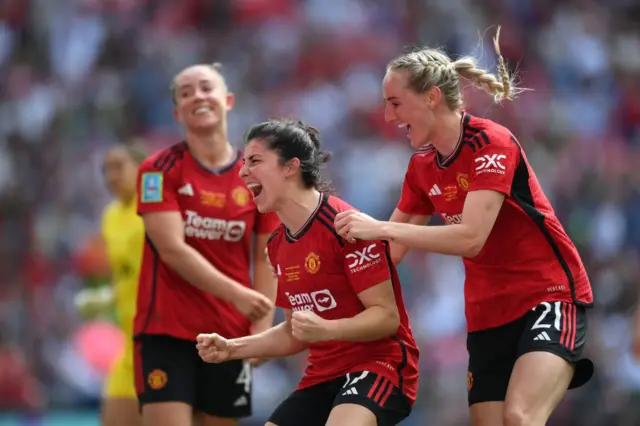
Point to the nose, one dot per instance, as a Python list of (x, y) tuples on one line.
[(198, 95), (244, 171), (389, 114)]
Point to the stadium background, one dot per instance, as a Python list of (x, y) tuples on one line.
[(77, 76)]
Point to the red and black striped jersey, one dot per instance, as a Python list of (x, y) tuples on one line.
[(528, 257), (318, 271), (220, 219)]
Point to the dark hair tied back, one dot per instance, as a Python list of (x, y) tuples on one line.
[(294, 139)]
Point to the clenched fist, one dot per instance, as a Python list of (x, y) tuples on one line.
[(214, 348), (306, 326)]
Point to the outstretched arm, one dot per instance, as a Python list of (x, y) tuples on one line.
[(398, 251), (272, 343), (465, 239)]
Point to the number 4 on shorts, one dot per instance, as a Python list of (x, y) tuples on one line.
[(244, 378)]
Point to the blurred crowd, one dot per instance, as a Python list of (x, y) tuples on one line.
[(77, 76)]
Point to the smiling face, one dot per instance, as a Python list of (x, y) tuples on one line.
[(201, 98), (265, 175), (408, 109)]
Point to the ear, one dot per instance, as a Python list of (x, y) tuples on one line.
[(292, 167), (433, 95), (231, 101), (176, 115)]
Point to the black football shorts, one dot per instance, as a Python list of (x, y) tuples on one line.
[(556, 327), (311, 406), (168, 369)]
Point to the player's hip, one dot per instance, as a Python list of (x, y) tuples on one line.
[(186, 329), (403, 375), (184, 318), (495, 312)]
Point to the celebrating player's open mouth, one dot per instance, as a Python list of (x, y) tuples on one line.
[(256, 189)]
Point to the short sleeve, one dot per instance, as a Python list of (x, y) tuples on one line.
[(266, 223), (366, 264), (494, 165), (412, 199), (156, 191)]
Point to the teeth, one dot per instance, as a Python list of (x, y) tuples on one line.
[(202, 109), (253, 185), (402, 125)]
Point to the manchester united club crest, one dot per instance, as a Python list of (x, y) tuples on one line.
[(157, 379), (312, 263), (463, 181), (469, 381), (241, 196)]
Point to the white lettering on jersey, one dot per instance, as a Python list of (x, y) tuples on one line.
[(490, 164), (321, 300), (209, 228), (454, 219), (363, 259)]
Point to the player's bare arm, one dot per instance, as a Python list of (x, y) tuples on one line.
[(398, 251), (275, 342), (264, 282), (379, 319), (166, 231), (466, 239)]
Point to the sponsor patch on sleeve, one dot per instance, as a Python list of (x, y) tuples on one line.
[(151, 187)]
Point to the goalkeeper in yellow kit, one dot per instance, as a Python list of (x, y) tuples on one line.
[(123, 233)]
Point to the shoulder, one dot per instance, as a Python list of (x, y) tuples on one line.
[(336, 205), (165, 161), (425, 155), (329, 209), (426, 152), (110, 211), (484, 133), (274, 238)]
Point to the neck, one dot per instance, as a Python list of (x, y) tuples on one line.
[(210, 149), (128, 199), (448, 134), (297, 208)]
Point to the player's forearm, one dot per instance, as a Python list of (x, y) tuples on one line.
[(272, 343), (459, 240), (374, 323), (194, 268), (265, 283)]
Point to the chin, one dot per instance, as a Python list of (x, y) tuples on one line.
[(204, 124), (417, 143), (264, 207)]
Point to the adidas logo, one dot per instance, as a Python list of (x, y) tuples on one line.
[(241, 401), (542, 336), (187, 189), (435, 190), (350, 391)]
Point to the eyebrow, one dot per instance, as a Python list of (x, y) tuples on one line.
[(391, 98), (187, 85)]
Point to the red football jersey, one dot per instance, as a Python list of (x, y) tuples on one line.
[(318, 271), (528, 257), (220, 219)]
